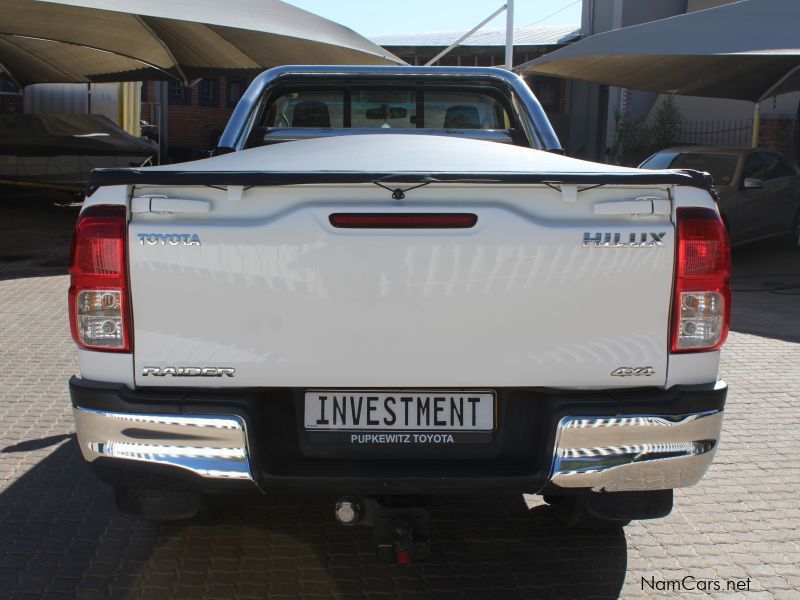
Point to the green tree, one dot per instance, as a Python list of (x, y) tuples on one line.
[(636, 139)]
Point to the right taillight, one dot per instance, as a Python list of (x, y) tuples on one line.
[(98, 293), (701, 308)]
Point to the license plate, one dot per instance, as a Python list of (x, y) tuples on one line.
[(401, 410)]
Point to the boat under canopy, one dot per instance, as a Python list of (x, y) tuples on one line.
[(58, 151)]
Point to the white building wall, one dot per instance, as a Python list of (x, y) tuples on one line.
[(105, 100), (69, 98), (696, 109), (120, 102)]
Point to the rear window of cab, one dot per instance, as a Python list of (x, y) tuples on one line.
[(383, 107)]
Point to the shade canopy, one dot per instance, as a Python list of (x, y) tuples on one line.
[(747, 50), (82, 41)]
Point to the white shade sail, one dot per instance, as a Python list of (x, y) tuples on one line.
[(747, 50), (81, 41)]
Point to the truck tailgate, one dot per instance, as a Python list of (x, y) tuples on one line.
[(271, 293)]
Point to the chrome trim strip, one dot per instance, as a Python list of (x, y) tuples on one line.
[(643, 452), (213, 446), (241, 121)]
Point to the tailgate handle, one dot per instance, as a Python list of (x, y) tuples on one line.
[(166, 206), (643, 206)]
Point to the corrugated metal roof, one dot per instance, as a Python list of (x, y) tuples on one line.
[(532, 35)]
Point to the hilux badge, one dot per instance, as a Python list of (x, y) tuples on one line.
[(610, 239)]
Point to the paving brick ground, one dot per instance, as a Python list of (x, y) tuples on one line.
[(60, 536)]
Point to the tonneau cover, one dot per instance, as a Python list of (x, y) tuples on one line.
[(413, 158)]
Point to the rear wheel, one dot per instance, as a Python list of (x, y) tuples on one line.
[(609, 510), (574, 513), (161, 504)]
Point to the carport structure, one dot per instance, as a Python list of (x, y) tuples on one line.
[(747, 50), (92, 41), (83, 41)]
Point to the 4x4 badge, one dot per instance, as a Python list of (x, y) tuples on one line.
[(633, 372)]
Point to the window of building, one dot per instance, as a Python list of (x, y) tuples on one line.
[(179, 93), (448, 60), (235, 88), (549, 91), (208, 92)]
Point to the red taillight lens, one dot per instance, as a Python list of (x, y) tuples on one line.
[(99, 315), (701, 307)]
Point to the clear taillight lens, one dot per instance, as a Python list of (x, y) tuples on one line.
[(98, 293), (702, 319), (702, 304), (99, 316)]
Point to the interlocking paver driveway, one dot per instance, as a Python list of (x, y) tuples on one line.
[(60, 536)]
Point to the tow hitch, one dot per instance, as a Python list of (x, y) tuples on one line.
[(400, 525)]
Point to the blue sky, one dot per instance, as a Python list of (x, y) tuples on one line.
[(374, 17)]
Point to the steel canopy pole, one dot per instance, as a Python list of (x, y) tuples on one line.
[(465, 36), (756, 124), (509, 34)]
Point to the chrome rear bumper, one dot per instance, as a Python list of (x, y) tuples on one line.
[(212, 446), (635, 453), (664, 446)]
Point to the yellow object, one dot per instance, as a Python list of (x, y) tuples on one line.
[(756, 124), (130, 106)]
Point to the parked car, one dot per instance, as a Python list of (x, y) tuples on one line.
[(759, 190), (394, 285)]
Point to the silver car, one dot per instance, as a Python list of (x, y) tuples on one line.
[(759, 189)]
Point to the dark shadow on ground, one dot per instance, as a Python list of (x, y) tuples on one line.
[(766, 290), (37, 444), (60, 537), (35, 232)]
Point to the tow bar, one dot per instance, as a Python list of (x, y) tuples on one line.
[(400, 525)]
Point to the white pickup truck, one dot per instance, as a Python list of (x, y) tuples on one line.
[(388, 284)]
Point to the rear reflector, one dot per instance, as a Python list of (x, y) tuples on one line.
[(98, 295), (404, 220), (701, 307)]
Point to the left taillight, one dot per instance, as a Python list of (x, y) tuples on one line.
[(99, 312)]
